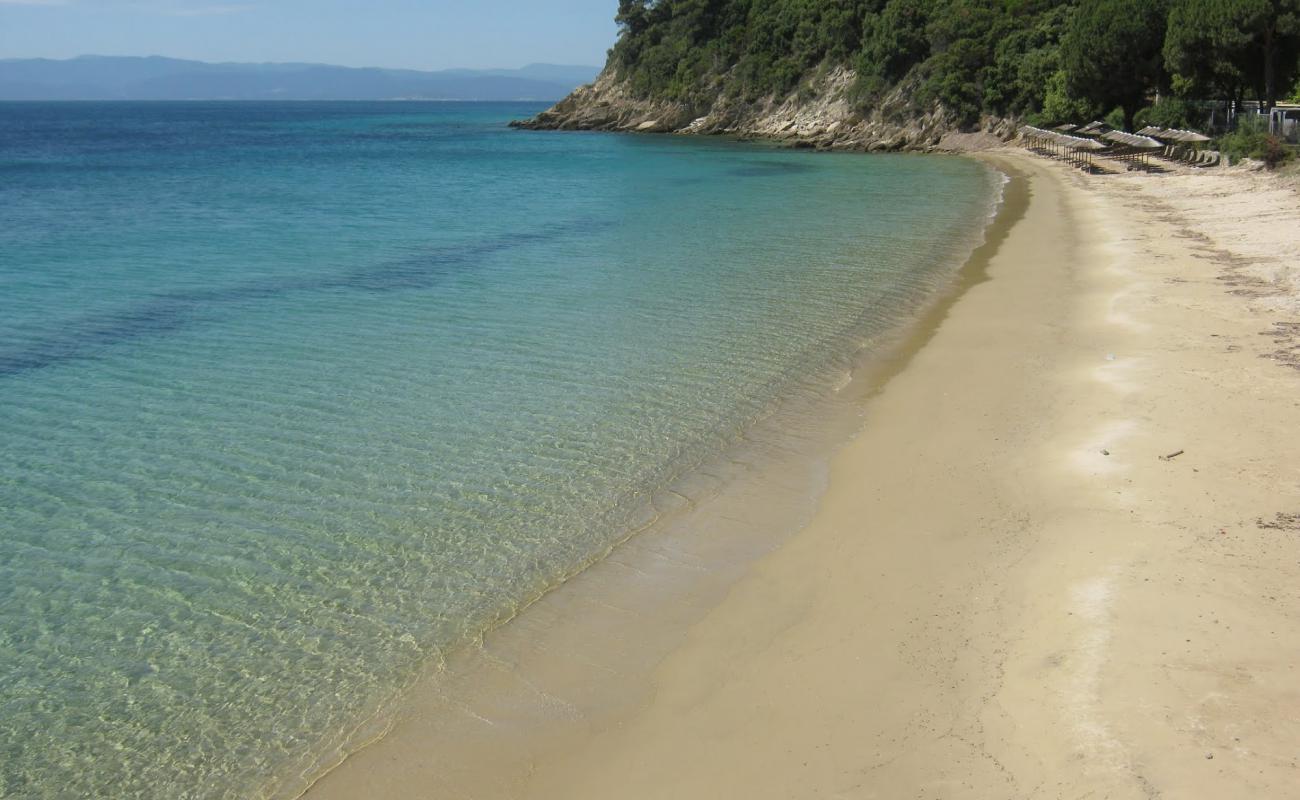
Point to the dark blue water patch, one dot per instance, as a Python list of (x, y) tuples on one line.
[(167, 313), (19, 168), (390, 135), (191, 129), (423, 270), (421, 127), (151, 319)]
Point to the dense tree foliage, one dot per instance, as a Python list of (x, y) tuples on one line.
[(1229, 48), (1042, 59), (1112, 53)]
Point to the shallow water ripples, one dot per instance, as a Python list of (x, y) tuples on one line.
[(243, 505)]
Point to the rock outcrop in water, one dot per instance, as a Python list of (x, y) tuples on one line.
[(819, 115)]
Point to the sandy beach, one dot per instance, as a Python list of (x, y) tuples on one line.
[(1061, 558)]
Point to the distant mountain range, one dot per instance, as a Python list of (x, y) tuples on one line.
[(158, 78)]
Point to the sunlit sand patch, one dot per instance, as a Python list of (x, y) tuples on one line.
[(1091, 604), (1116, 315), (1098, 454), (1119, 259), (1117, 373)]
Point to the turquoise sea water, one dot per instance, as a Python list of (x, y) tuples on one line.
[(294, 398)]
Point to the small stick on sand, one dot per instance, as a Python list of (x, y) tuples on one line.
[(1172, 456)]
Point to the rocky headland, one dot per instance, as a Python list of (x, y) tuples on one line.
[(820, 114)]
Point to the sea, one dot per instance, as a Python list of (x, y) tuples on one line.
[(297, 399)]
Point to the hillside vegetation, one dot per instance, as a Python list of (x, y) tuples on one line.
[(1043, 60)]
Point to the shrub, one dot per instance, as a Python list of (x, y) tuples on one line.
[(1251, 139), (1275, 152), (1168, 112)]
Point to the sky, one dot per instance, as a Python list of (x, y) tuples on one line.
[(408, 34)]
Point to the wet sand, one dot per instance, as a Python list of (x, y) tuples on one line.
[(1005, 590)]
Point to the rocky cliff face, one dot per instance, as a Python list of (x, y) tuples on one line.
[(819, 115)]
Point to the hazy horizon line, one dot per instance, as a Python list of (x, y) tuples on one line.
[(302, 63)]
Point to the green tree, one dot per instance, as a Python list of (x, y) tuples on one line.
[(1222, 47), (631, 16), (894, 40), (962, 36), (1111, 53), (1060, 106), (1273, 28), (1026, 56), (1203, 50)]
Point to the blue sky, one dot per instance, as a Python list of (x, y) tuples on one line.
[(415, 34)]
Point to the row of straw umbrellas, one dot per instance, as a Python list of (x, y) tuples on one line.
[(1078, 144), (1182, 145)]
